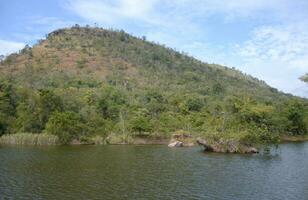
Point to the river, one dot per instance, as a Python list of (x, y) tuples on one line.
[(151, 172)]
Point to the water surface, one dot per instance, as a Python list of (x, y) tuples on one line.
[(151, 172)]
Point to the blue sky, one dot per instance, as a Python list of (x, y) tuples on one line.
[(267, 39)]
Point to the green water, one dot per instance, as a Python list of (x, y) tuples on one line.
[(151, 172)]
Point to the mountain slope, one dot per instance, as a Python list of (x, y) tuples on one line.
[(102, 54), (114, 83)]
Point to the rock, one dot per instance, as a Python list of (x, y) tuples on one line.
[(250, 150), (190, 144), (253, 150), (181, 136), (226, 146), (205, 144), (176, 144)]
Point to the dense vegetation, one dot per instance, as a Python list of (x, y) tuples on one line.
[(83, 82)]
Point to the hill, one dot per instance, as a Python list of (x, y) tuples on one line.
[(83, 82)]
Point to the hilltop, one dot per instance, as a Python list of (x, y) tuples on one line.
[(114, 85)]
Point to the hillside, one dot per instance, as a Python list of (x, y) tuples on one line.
[(82, 82)]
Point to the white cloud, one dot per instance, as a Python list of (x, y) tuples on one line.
[(112, 11), (8, 47), (38, 26), (232, 10), (288, 44), (47, 24), (277, 54), (135, 8)]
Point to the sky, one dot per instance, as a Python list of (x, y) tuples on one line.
[(266, 39)]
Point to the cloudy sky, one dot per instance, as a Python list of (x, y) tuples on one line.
[(265, 38)]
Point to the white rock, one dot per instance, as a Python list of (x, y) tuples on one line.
[(176, 144)]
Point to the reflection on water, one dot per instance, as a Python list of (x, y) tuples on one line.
[(151, 172)]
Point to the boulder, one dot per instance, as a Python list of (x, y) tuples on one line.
[(250, 150), (176, 144), (188, 144), (205, 144), (226, 146), (184, 138)]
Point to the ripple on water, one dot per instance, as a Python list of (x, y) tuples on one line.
[(151, 172)]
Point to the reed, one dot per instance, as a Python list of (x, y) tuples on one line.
[(29, 139)]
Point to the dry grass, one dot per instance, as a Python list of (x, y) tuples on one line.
[(29, 139)]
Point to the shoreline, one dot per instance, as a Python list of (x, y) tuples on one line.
[(30, 139), (289, 138), (174, 141)]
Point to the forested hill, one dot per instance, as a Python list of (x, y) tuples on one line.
[(94, 55), (110, 82)]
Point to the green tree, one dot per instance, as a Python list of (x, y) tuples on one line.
[(65, 125), (195, 104), (7, 106), (28, 118), (296, 113), (141, 124), (154, 102), (110, 102), (218, 88), (34, 109), (48, 103)]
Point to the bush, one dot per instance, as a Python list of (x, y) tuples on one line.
[(195, 104), (141, 124), (296, 118), (65, 125)]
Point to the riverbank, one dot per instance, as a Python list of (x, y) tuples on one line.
[(113, 139), (175, 140), (289, 138), (180, 139)]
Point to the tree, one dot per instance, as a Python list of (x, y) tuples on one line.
[(7, 106), (141, 124), (154, 102), (27, 117), (195, 104), (218, 88), (3, 124), (110, 102), (7, 98), (296, 116), (48, 103), (65, 125)]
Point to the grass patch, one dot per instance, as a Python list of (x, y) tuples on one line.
[(29, 139)]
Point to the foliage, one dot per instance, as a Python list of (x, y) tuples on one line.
[(296, 118), (84, 82), (65, 125), (141, 124), (7, 106)]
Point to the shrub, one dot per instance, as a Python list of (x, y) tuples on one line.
[(195, 104), (141, 124), (65, 125)]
